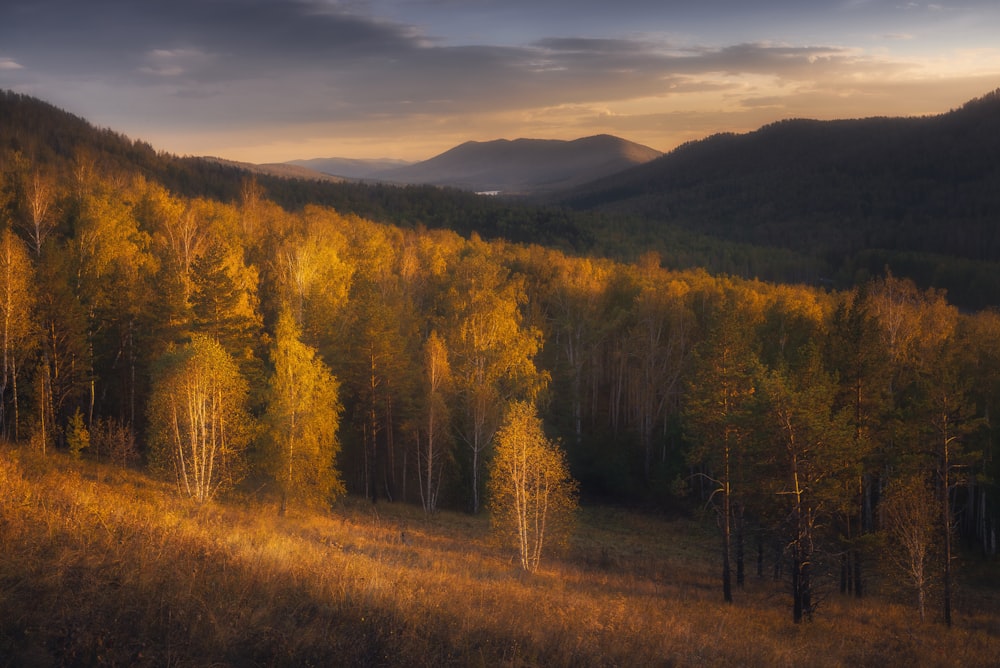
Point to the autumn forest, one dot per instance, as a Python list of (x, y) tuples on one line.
[(300, 355)]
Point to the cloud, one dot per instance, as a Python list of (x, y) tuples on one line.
[(354, 68), (174, 62)]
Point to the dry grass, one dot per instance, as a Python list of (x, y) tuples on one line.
[(103, 567)]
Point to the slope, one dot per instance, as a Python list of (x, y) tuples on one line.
[(835, 189), (35, 135)]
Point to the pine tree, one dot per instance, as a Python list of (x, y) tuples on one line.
[(716, 410)]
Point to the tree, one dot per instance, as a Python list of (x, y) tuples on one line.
[(314, 279), (658, 345), (911, 513), (301, 420), (64, 371), (77, 435), (224, 299), (946, 419), (113, 267), (17, 323), (432, 456), (576, 300), (40, 194), (716, 406), (492, 353), (980, 345), (811, 446), (532, 496), (178, 236), (855, 349), (199, 425), (378, 350)]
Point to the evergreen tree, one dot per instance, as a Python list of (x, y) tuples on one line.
[(716, 410)]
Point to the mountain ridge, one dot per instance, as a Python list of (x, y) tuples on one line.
[(921, 184), (523, 165), (350, 168), (821, 202)]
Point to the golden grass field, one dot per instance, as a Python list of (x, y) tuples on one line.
[(100, 566)]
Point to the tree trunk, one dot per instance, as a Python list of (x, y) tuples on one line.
[(740, 571), (17, 415), (946, 517), (727, 585), (760, 555), (845, 569), (858, 588), (796, 588)]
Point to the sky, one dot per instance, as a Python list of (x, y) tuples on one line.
[(276, 80)]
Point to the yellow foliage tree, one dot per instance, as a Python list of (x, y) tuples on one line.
[(17, 323), (199, 425), (491, 351), (302, 418), (533, 498)]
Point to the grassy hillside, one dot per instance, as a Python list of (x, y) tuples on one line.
[(100, 566)]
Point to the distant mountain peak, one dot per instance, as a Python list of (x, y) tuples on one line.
[(350, 168), (525, 165)]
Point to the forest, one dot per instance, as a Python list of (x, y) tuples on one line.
[(299, 352), (849, 195)]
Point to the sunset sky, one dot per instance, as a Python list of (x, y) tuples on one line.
[(275, 80)]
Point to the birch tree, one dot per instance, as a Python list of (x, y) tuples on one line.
[(492, 352), (658, 345), (532, 495), (17, 324), (40, 197), (199, 424), (302, 418), (436, 449), (946, 420), (911, 513)]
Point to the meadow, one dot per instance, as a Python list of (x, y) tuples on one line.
[(105, 566)]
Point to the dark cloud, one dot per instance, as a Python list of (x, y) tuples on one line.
[(210, 49), (241, 35), (222, 65)]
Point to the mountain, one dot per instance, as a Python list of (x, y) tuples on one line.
[(350, 168), (855, 195), (831, 202), (524, 165), (283, 170), (929, 183), (35, 134)]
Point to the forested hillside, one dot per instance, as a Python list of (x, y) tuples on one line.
[(304, 351), (32, 127), (918, 194)]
